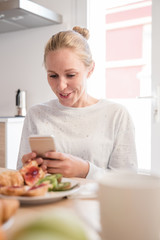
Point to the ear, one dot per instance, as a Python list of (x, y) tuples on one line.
[(91, 69)]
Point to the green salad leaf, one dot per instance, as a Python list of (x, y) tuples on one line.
[(55, 181)]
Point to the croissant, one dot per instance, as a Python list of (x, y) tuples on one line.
[(2, 234), (11, 178), (8, 207)]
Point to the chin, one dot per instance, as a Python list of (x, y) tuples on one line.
[(65, 103), (68, 103)]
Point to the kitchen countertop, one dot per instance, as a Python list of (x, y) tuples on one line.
[(11, 119)]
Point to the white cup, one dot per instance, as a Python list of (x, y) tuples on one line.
[(129, 206)]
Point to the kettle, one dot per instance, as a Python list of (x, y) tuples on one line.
[(21, 103)]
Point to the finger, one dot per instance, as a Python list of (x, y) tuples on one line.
[(26, 162), (52, 163), (39, 161), (54, 170), (44, 167), (55, 155), (28, 156)]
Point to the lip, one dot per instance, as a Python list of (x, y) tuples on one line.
[(64, 95)]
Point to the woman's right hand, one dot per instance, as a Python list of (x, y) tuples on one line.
[(31, 156)]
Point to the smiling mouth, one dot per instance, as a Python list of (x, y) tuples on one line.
[(64, 95)]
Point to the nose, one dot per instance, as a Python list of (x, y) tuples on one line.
[(62, 84)]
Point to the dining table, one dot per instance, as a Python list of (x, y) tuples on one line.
[(83, 203)]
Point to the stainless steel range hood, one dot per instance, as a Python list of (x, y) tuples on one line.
[(22, 14)]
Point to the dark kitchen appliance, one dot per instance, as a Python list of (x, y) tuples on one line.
[(21, 103)]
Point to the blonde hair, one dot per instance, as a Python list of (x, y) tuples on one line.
[(75, 39)]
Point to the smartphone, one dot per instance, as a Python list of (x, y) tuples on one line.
[(42, 144)]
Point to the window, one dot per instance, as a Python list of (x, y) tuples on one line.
[(128, 49), (121, 38)]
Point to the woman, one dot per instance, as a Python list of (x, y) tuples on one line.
[(91, 135)]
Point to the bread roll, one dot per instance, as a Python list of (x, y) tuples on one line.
[(39, 190), (13, 190), (31, 173)]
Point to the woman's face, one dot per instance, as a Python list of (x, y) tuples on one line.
[(67, 76)]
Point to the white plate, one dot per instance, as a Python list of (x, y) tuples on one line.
[(49, 196)]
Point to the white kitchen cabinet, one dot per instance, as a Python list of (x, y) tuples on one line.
[(10, 136)]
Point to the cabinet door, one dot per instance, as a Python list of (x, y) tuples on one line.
[(13, 136)]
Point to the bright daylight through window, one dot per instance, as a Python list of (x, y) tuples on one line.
[(127, 68)]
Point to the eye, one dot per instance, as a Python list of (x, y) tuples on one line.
[(71, 75), (53, 76)]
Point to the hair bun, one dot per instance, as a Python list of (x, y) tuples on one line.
[(83, 31)]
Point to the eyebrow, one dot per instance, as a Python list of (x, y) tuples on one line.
[(50, 71), (70, 69)]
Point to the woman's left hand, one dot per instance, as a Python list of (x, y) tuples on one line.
[(66, 164)]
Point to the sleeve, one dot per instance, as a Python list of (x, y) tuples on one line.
[(95, 172), (28, 129), (124, 154)]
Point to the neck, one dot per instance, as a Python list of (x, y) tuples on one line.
[(89, 100)]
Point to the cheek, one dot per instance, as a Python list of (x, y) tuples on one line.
[(51, 83), (76, 85), (80, 82)]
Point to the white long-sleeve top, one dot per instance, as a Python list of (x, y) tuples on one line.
[(102, 134)]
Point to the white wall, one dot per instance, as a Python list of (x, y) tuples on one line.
[(96, 25), (21, 56)]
